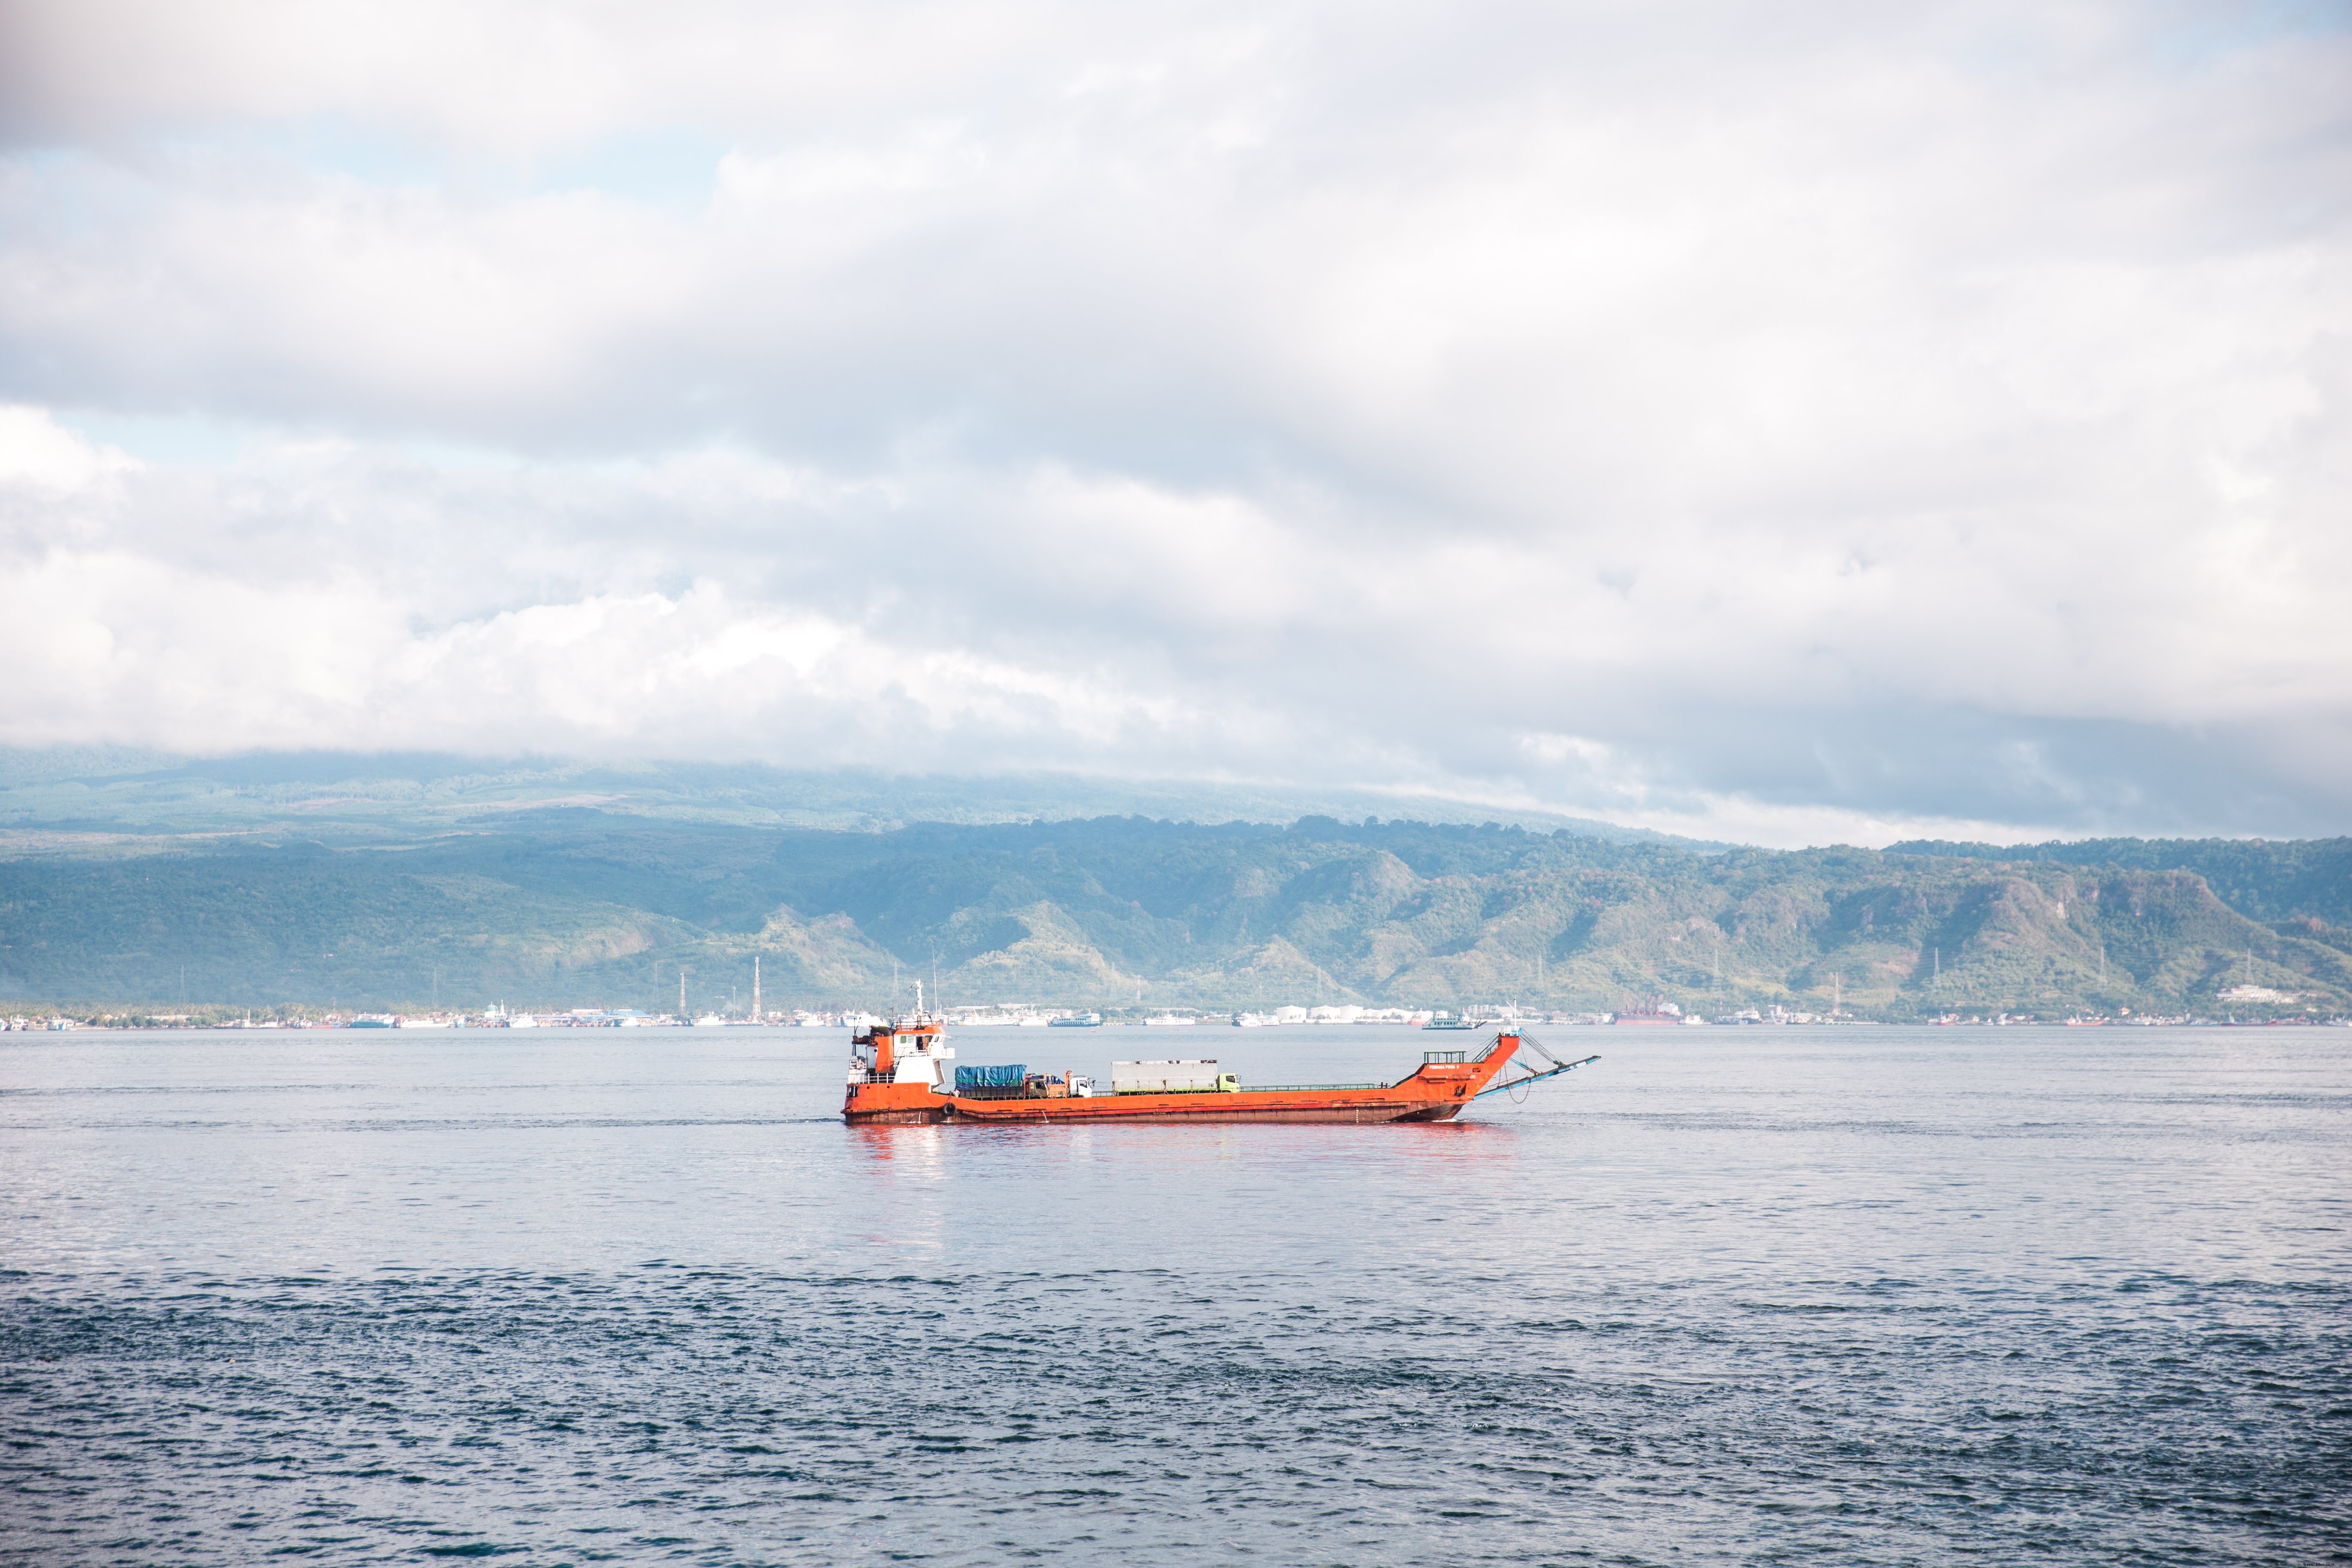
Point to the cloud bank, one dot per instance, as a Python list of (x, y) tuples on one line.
[(1722, 421)]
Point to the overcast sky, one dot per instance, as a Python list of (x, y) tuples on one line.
[(1785, 422)]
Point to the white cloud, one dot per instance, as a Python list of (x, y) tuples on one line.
[(1881, 415), (40, 456)]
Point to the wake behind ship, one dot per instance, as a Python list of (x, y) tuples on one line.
[(899, 1071)]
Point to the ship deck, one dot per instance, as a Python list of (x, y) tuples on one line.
[(1411, 1100)]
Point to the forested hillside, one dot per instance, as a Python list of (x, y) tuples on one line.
[(577, 907), (2267, 880)]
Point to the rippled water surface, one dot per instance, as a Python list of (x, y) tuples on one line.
[(1843, 1296)]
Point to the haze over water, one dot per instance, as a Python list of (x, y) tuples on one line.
[(1852, 1295)]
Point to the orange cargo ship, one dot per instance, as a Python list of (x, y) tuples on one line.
[(898, 1072)]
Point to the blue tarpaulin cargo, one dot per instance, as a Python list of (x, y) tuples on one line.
[(991, 1078)]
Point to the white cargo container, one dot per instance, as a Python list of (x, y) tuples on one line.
[(1163, 1078)]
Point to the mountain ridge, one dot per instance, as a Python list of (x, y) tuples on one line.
[(577, 906)]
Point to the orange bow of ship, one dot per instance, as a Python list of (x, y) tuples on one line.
[(898, 1072)]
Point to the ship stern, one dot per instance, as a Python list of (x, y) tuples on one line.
[(885, 1102)]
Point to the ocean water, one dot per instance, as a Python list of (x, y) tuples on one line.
[(1852, 1295)]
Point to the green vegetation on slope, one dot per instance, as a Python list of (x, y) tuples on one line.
[(580, 907), (2297, 880)]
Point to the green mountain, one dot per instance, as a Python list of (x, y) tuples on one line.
[(2297, 880), (582, 906)]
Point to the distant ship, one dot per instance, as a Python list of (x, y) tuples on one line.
[(1082, 1021), (898, 1072), (1657, 1010), (1171, 1021)]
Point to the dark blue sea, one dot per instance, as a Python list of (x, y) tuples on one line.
[(1840, 1296)]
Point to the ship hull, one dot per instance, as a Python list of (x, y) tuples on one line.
[(1416, 1100), (894, 1102), (1260, 1107)]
